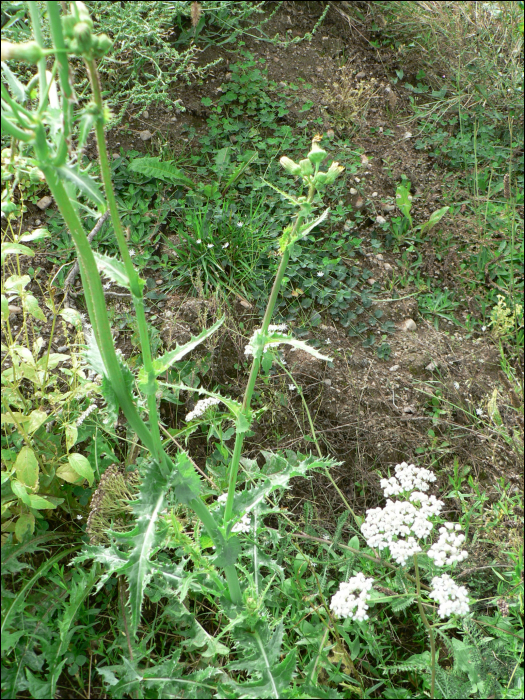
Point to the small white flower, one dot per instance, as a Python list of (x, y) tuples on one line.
[(452, 599), (86, 413), (243, 525), (328, 341), (456, 385), (374, 194), (132, 253), (483, 328), (320, 274), (198, 240), (210, 245), (291, 387), (479, 411), (447, 549), (107, 285), (200, 407), (351, 598), (225, 245), (240, 224), (79, 517)]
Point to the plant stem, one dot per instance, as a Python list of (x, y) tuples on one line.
[(429, 629), (239, 437)]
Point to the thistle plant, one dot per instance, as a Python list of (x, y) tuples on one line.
[(45, 127)]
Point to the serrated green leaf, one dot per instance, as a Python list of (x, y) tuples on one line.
[(162, 170), (305, 230), (161, 364), (299, 344), (112, 268), (85, 183), (281, 192)]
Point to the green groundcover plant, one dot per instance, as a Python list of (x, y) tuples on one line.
[(226, 552)]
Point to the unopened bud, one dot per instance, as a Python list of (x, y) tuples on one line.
[(101, 45), (333, 172), (306, 167), (290, 166), (317, 154), (30, 52), (82, 33)]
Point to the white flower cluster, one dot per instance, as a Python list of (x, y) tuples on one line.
[(345, 603), (408, 477), (401, 518), (281, 327), (82, 417), (200, 407), (447, 549), (452, 599), (243, 525)]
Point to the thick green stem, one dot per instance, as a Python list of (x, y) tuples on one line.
[(239, 437), (429, 630)]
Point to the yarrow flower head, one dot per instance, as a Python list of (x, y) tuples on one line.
[(200, 407), (82, 417), (408, 477), (447, 549), (452, 599), (351, 598)]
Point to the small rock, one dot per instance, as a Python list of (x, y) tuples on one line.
[(371, 281), (388, 207), (379, 256), (394, 368), (145, 135), (145, 114), (328, 382), (353, 190), (330, 133), (228, 76), (159, 281), (380, 220), (407, 135), (246, 304), (276, 60), (380, 129), (388, 267), (364, 160), (432, 366), (62, 348), (14, 309), (114, 156), (37, 222), (44, 202), (360, 75), (409, 409), (374, 194), (283, 84), (173, 119), (357, 179), (408, 325)]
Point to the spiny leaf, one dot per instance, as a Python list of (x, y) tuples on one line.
[(162, 170), (85, 184)]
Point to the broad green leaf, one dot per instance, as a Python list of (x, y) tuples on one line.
[(67, 473), (35, 235), (25, 524), (23, 353), (36, 419), (26, 467), (20, 491), (435, 217), (14, 249), (72, 316), (112, 268), (85, 183), (52, 361), (71, 436), (30, 304), (82, 466), (17, 283), (162, 170)]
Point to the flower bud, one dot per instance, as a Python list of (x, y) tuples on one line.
[(82, 33), (68, 25), (101, 45), (83, 14), (317, 154), (333, 172), (290, 166), (30, 52), (36, 175), (320, 179), (305, 167)]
